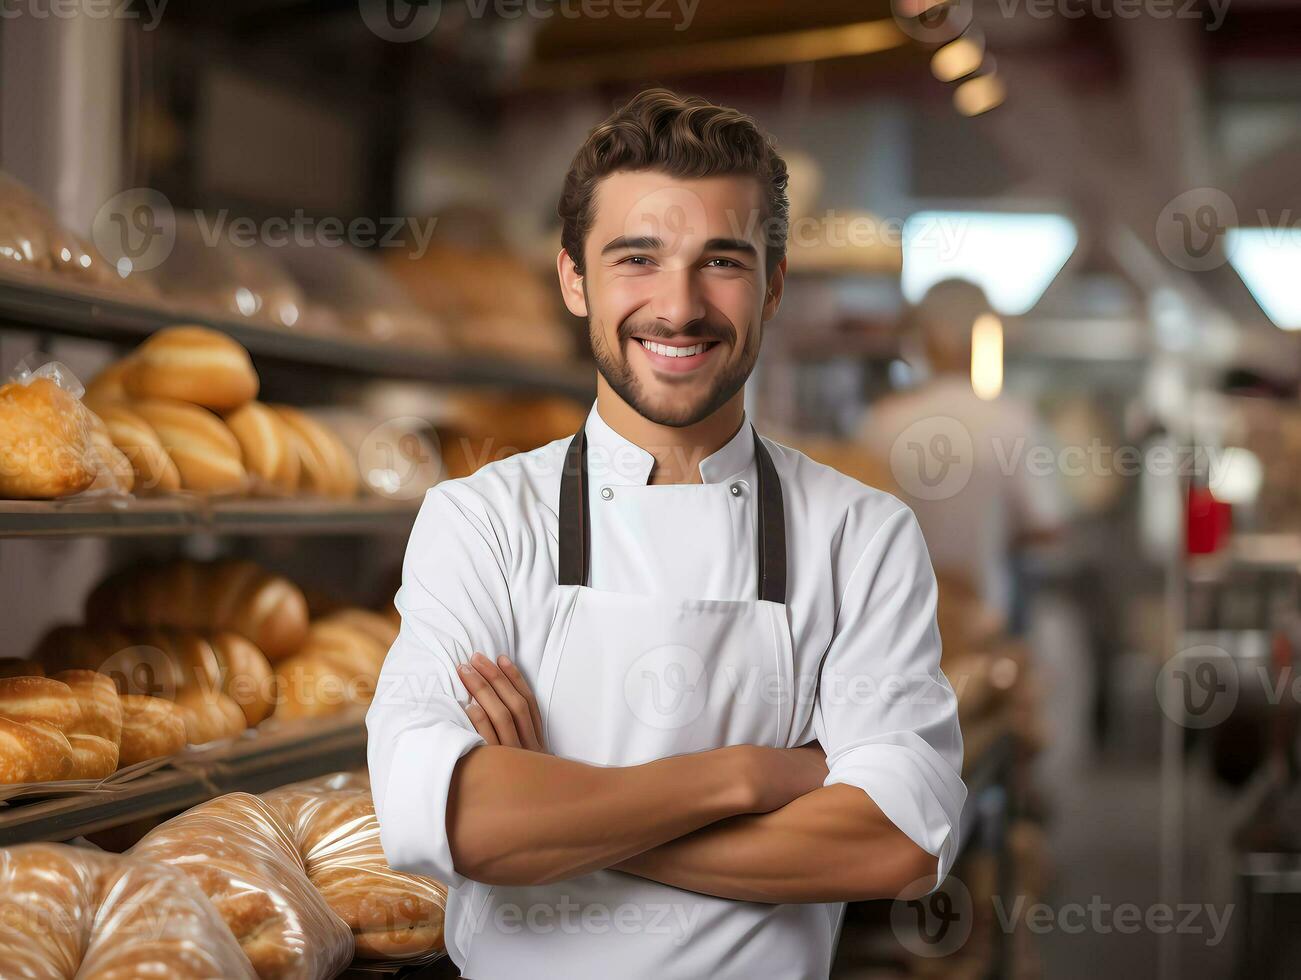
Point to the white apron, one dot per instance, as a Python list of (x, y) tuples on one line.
[(626, 679)]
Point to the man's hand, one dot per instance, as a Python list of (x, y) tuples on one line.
[(504, 710)]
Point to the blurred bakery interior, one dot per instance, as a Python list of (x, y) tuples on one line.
[(271, 269)]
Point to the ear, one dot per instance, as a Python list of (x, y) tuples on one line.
[(571, 284), (773, 299)]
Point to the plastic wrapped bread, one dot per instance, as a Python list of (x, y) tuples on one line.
[(394, 917), (240, 853), (69, 912)]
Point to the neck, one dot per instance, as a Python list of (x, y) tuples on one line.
[(678, 450)]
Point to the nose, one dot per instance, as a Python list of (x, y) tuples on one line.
[(678, 301)]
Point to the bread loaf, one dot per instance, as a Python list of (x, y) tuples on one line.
[(70, 912), (151, 728), (246, 676), (209, 715), (92, 757), (139, 443), (269, 453), (239, 852), (266, 609), (44, 699), (32, 752), (107, 387), (327, 467), (393, 916), (192, 364), (46, 449), (206, 454), (97, 697), (114, 473)]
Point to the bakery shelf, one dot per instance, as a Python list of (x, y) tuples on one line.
[(142, 516), (84, 312), (259, 761)]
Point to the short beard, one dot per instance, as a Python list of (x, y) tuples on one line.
[(619, 376)]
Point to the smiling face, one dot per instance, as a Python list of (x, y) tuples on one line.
[(675, 290)]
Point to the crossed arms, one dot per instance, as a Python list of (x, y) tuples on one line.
[(745, 822)]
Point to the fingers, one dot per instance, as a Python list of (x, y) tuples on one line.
[(487, 700), (506, 701), (479, 718), (522, 686)]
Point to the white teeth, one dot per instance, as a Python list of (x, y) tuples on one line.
[(668, 351)]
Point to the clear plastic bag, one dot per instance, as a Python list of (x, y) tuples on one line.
[(240, 853), (47, 444), (394, 917), (70, 912)]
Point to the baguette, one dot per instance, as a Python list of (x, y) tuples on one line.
[(27, 699), (192, 364)]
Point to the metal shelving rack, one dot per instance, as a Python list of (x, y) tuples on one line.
[(98, 315)]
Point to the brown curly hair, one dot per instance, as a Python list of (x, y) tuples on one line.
[(683, 136)]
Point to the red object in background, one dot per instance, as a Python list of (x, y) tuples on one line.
[(1209, 521)]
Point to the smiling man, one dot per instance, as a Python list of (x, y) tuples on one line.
[(666, 693)]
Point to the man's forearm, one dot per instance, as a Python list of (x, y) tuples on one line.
[(519, 817), (831, 845)]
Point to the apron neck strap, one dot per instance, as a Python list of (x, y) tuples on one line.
[(576, 525)]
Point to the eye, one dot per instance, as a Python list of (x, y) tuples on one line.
[(641, 260), (724, 263)]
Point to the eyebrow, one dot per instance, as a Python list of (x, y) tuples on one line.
[(649, 243)]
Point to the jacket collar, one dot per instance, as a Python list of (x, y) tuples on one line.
[(614, 460)]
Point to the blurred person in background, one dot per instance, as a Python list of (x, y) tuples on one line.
[(966, 464)]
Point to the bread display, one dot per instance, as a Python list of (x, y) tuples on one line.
[(393, 916), (240, 854), (271, 453), (267, 609), (70, 912), (206, 454), (151, 728), (192, 364), (46, 450)]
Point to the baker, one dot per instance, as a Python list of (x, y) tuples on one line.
[(666, 693)]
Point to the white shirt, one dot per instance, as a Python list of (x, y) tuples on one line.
[(480, 576), (995, 487)]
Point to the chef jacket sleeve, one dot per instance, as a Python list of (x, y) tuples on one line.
[(454, 601), (886, 715)]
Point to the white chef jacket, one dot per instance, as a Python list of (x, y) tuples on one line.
[(480, 576)]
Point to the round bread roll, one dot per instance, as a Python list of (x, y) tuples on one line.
[(32, 752), (268, 451), (101, 708), (246, 676), (353, 650), (375, 625), (206, 454), (268, 609), (151, 728), (192, 364), (328, 468), (93, 757), (46, 449), (26, 699), (136, 438), (209, 715)]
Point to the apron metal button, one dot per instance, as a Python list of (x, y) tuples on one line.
[(736, 489), (607, 493)]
